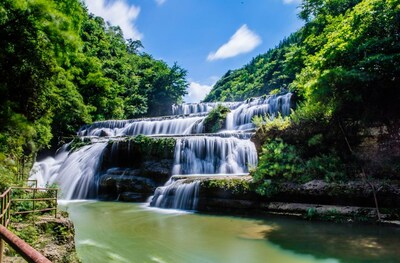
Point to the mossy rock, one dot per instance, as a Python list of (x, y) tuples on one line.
[(216, 119), (79, 142)]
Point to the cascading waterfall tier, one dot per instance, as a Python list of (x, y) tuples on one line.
[(230, 152), (74, 171), (270, 106), (168, 126), (213, 155), (177, 194), (195, 108)]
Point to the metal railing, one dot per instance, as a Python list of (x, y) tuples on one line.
[(5, 200), (51, 200), (46, 204)]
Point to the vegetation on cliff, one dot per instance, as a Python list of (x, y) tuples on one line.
[(215, 120)]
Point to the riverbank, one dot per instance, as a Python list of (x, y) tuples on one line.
[(52, 237), (351, 201)]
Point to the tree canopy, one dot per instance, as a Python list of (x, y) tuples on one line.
[(61, 67)]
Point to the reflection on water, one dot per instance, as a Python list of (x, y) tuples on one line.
[(349, 243), (125, 232)]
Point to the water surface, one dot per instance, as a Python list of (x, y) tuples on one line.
[(126, 232)]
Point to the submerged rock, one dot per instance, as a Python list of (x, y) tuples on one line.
[(131, 197)]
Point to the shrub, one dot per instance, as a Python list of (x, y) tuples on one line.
[(282, 162), (278, 161), (236, 186), (266, 123), (326, 166)]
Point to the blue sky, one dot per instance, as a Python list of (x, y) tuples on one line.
[(206, 37)]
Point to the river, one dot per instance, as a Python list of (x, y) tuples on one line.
[(131, 232)]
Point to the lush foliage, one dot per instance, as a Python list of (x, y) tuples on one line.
[(215, 119), (278, 161), (266, 123), (283, 162), (352, 70), (62, 67)]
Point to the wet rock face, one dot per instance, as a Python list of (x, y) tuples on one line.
[(132, 170), (159, 171), (112, 184), (130, 184)]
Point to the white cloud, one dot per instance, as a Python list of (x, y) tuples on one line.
[(243, 41), (160, 2), (197, 92), (117, 12), (287, 2)]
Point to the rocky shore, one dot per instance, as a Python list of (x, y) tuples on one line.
[(349, 201), (53, 237)]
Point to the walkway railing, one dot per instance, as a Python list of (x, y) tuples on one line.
[(41, 200), (5, 200)]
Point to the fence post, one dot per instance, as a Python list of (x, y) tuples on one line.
[(2, 207), (33, 201), (1, 249), (55, 204), (9, 207)]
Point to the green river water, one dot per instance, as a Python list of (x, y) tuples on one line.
[(127, 232)]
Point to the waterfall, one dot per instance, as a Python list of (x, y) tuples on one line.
[(196, 154), (177, 194), (180, 125), (213, 155), (241, 117), (74, 172), (203, 107)]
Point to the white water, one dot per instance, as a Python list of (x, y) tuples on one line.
[(180, 125), (230, 152), (177, 194), (74, 172), (213, 155), (241, 117), (204, 107)]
